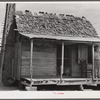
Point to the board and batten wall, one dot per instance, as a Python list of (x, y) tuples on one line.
[(44, 59)]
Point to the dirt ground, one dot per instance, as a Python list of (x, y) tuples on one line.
[(9, 88)]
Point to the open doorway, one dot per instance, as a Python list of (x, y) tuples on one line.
[(67, 60)]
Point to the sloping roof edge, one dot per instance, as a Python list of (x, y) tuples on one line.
[(78, 39)]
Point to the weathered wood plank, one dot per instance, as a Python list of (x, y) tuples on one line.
[(38, 69), (40, 63), (39, 66), (26, 72), (49, 60), (40, 54)]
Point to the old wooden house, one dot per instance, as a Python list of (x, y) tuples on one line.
[(46, 48)]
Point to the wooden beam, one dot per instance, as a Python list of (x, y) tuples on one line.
[(93, 61), (62, 62), (31, 57)]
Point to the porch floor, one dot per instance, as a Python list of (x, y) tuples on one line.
[(57, 81), (57, 78)]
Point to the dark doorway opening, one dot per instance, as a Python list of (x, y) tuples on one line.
[(67, 67), (90, 54), (67, 60), (59, 54)]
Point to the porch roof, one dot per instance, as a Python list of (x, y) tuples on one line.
[(52, 26), (78, 39)]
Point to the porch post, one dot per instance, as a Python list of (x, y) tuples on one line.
[(93, 61), (62, 62), (31, 57)]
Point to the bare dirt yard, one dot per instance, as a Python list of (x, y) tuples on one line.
[(9, 88)]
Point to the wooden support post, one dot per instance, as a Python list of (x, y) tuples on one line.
[(62, 62), (31, 58), (93, 61)]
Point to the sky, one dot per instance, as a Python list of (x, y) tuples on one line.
[(90, 10)]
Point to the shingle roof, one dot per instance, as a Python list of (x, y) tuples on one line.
[(54, 25)]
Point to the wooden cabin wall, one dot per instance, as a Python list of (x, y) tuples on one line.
[(44, 59), (9, 53), (8, 40), (17, 60)]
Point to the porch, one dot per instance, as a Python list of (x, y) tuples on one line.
[(73, 64)]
